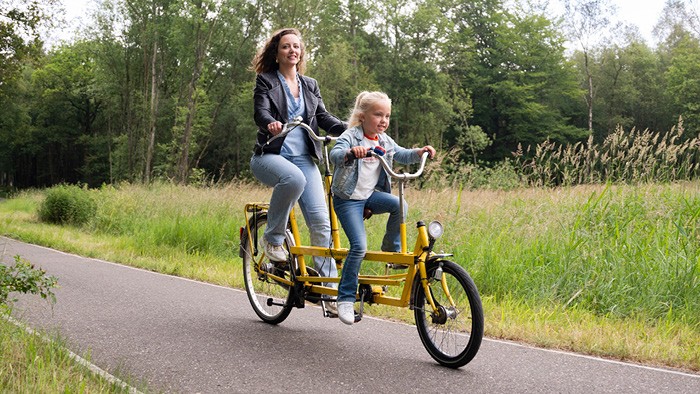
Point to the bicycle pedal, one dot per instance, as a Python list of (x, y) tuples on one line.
[(358, 317), (329, 309)]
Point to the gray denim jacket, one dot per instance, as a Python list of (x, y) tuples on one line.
[(346, 170)]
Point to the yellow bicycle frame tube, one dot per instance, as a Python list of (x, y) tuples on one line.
[(420, 250)]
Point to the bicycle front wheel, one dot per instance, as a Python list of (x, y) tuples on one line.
[(452, 334), (270, 299)]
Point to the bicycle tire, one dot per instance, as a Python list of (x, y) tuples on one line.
[(270, 299), (453, 336)]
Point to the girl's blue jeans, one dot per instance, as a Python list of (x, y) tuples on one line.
[(349, 214), (295, 178)]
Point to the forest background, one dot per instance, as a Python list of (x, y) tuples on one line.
[(162, 89)]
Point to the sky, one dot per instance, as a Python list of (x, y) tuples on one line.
[(642, 13)]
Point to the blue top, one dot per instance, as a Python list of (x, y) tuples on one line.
[(295, 142)]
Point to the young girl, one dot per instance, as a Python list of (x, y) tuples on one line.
[(360, 182)]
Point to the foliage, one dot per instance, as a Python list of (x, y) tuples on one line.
[(683, 78), (22, 277), (20, 23), (161, 89), (67, 204)]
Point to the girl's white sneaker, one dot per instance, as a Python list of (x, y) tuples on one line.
[(346, 312)]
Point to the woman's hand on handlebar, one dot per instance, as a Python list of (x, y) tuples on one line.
[(427, 148), (274, 128)]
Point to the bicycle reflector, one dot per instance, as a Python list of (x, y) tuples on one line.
[(435, 229)]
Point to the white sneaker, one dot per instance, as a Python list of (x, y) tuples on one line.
[(274, 252), (346, 312), (331, 308)]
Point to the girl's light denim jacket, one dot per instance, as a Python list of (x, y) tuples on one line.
[(346, 169)]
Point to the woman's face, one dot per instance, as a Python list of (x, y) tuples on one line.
[(289, 51), (376, 119)]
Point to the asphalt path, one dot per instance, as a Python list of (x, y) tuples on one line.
[(179, 335)]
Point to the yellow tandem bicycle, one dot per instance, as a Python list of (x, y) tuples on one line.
[(444, 299)]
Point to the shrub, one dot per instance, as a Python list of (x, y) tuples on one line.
[(24, 278), (67, 204)]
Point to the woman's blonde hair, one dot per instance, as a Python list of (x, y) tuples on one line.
[(266, 59), (363, 103)]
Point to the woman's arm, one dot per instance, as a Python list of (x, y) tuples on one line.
[(325, 119), (262, 104)]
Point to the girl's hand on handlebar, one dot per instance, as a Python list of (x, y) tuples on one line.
[(358, 152), (427, 148), (274, 128)]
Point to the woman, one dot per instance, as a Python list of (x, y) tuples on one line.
[(282, 92)]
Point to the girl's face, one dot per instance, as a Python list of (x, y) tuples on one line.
[(289, 50), (376, 119)]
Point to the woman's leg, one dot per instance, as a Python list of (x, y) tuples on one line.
[(380, 202), (288, 182), (315, 210), (350, 216)]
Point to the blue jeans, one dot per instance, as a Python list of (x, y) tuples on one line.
[(350, 216), (295, 178)]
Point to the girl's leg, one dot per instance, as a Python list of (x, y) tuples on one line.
[(380, 202), (350, 216), (288, 182), (315, 210)]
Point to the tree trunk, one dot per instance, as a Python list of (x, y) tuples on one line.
[(153, 111), (201, 45), (589, 97)]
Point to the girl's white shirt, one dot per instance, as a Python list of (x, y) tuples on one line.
[(368, 173)]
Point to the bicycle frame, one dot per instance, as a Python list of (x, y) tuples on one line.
[(372, 287)]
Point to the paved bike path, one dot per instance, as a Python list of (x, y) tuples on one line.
[(185, 336)]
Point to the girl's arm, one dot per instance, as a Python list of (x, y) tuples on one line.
[(427, 148), (339, 154)]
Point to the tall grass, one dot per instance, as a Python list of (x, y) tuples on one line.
[(29, 364), (623, 157), (621, 251)]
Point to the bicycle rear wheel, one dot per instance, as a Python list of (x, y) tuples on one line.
[(270, 299), (453, 334)]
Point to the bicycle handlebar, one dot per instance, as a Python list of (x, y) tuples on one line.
[(404, 176), (291, 125)]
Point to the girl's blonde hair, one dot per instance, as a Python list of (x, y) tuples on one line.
[(363, 103)]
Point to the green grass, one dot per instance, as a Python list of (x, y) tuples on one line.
[(30, 364), (612, 271)]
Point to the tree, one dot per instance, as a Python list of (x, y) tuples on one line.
[(65, 110), (678, 14), (20, 24), (520, 83), (587, 22), (683, 78), (631, 88)]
